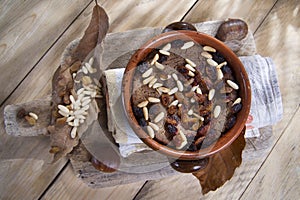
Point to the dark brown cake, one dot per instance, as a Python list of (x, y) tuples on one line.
[(185, 95)]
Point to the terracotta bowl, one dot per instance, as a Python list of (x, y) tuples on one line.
[(239, 73)]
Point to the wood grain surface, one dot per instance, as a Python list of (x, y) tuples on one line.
[(32, 41), (27, 31)]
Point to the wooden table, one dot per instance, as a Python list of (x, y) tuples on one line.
[(33, 35)]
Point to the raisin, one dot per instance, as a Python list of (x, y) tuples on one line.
[(142, 121), (203, 130), (218, 57), (236, 108), (201, 98), (172, 110), (162, 58), (207, 118), (21, 113), (138, 112), (172, 120), (171, 129), (142, 67), (192, 147), (230, 122), (165, 100), (226, 69), (183, 70)]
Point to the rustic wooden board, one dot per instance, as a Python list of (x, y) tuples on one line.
[(252, 11), (113, 48), (28, 30), (153, 162)]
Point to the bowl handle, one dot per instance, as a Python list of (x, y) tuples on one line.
[(188, 166)]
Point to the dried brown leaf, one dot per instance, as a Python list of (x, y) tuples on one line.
[(62, 82), (221, 166), (94, 33)]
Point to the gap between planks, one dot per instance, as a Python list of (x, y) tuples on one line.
[(271, 150), (54, 180), (44, 54), (191, 8), (268, 13)]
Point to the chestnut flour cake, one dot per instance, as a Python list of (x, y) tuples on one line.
[(184, 94)]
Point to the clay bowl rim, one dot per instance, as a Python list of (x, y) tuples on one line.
[(239, 73)]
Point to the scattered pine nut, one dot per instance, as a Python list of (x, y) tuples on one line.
[(33, 115), (221, 65), (150, 131), (219, 74), (173, 91), (145, 112), (209, 49), (211, 94), (205, 54), (211, 62), (167, 47), (63, 109), (189, 67), (153, 100), (175, 76), (152, 82), (159, 66), (143, 104), (190, 73), (232, 84), (159, 117), (164, 89), (187, 45), (179, 85), (147, 80), (154, 126), (74, 132), (156, 57), (237, 101), (164, 52), (217, 111), (190, 62), (198, 90), (147, 73), (157, 85)]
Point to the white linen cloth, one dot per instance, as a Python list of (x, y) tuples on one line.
[(266, 106)]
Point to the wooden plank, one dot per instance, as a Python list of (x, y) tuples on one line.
[(133, 14), (275, 38), (280, 30), (28, 29), (252, 11), (282, 181), (36, 173), (31, 153), (283, 18), (68, 186)]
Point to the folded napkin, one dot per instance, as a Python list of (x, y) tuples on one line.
[(266, 106)]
